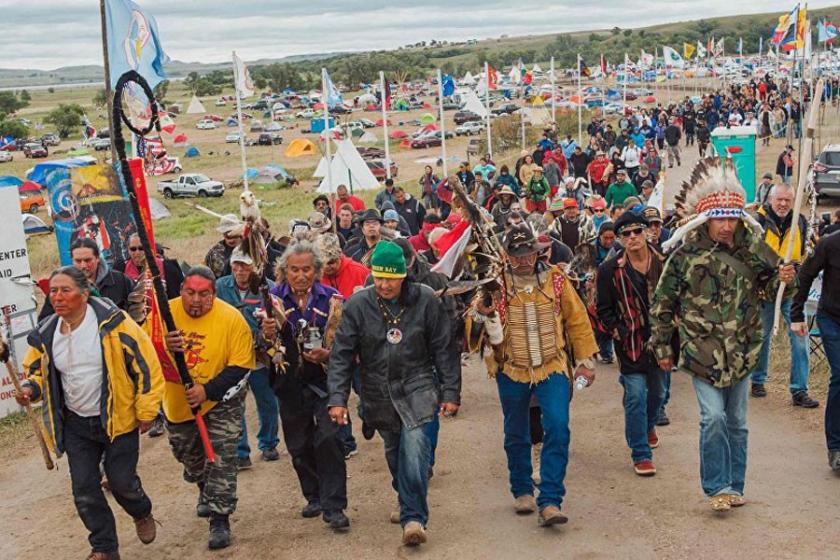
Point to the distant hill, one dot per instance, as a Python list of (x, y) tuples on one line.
[(422, 58)]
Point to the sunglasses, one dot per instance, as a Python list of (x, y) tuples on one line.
[(232, 237), (598, 210), (635, 231), (135, 249)]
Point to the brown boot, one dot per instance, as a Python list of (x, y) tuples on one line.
[(551, 515), (115, 555), (146, 530), (525, 504), (413, 534)]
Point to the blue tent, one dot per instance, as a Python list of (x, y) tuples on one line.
[(192, 151), (10, 181), (40, 171)]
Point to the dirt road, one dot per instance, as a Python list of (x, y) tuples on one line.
[(792, 510)]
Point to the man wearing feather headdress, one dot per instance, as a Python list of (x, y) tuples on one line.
[(537, 327), (712, 289)]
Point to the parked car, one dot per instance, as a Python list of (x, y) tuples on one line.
[(474, 146), (505, 109), (340, 110), (377, 167), (305, 114), (101, 144), (6, 156), (429, 140), (450, 105), (257, 126), (205, 125), (827, 171), (232, 138), (367, 123), (470, 128), (30, 203), (191, 184), (465, 116), (34, 150), (269, 139), (50, 139)]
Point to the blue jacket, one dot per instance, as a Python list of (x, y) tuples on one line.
[(227, 291)]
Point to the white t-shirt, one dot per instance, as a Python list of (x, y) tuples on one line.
[(78, 357)]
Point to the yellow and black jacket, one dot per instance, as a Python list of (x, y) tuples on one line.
[(777, 240), (132, 385)]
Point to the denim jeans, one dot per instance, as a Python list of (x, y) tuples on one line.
[(723, 436), (408, 453), (268, 412), (667, 398), (605, 344), (86, 443), (554, 395), (799, 368), (830, 333), (643, 396)]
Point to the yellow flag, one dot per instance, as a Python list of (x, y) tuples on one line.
[(688, 50)]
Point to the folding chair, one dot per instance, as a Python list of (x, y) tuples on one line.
[(815, 342)]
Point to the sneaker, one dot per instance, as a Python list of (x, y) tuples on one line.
[(310, 510), (413, 534), (801, 398), (758, 390), (270, 454), (524, 505), (336, 520), (720, 503), (653, 439), (351, 453), (157, 428), (662, 419), (834, 460), (551, 515), (243, 463), (146, 529), (644, 468), (219, 532)]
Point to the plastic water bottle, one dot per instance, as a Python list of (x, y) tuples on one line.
[(581, 383)]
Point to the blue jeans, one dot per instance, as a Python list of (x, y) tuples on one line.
[(830, 333), (407, 453), (723, 436), (667, 398), (799, 368), (268, 411), (605, 344), (554, 395), (643, 397)]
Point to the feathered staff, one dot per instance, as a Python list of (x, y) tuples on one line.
[(804, 174), (132, 77)]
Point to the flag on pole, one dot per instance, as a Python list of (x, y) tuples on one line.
[(740, 46), (672, 58), (451, 247), (646, 59), (803, 27), (760, 45), (448, 85), (701, 50), (826, 31), (784, 25), (386, 95), (167, 123), (719, 47), (583, 68), (688, 50), (492, 77), (603, 64), (331, 97), (90, 131), (244, 85), (133, 42), (711, 47)]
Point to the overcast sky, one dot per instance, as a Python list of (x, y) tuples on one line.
[(47, 34)]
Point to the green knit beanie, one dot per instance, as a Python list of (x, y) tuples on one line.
[(387, 261)]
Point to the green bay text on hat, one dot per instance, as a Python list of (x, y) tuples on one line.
[(387, 261)]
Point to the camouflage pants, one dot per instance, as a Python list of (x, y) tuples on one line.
[(217, 480)]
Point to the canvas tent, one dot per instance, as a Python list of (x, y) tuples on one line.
[(158, 209), (10, 181), (195, 106), (368, 138), (300, 147), (348, 168), (192, 151), (468, 79), (33, 225)]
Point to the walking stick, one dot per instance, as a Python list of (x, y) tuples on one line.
[(5, 349), (804, 167), (128, 183)]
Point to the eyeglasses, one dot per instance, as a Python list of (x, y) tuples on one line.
[(135, 249), (635, 231)]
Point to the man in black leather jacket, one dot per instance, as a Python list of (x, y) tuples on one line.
[(400, 333)]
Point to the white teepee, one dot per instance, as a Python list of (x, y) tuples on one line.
[(195, 106)]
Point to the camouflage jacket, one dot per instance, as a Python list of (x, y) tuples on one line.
[(713, 294)]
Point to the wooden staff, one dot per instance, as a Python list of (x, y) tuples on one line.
[(804, 166), (5, 349)]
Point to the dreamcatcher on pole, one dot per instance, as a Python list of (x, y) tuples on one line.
[(128, 80)]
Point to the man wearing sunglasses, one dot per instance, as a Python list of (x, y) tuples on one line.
[(625, 288)]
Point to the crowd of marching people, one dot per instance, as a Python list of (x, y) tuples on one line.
[(358, 299)]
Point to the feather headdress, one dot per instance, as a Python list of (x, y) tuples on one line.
[(712, 191)]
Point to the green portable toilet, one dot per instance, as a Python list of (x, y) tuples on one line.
[(739, 142)]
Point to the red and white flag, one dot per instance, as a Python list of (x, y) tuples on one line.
[(451, 247)]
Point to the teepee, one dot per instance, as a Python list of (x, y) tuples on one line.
[(195, 106)]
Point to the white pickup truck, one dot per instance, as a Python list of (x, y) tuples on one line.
[(191, 184)]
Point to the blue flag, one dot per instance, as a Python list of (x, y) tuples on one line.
[(448, 85), (133, 42), (332, 96)]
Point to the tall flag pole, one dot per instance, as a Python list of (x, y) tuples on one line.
[(442, 127), (487, 103), (553, 95), (325, 94), (241, 87), (624, 89), (385, 100), (580, 102)]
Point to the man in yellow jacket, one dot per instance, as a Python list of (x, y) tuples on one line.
[(97, 375), (777, 219)]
